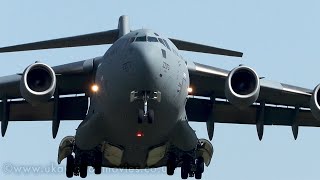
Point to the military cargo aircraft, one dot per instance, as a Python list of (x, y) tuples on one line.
[(136, 101)]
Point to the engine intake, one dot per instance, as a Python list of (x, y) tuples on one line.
[(242, 86), (38, 83), (314, 103)]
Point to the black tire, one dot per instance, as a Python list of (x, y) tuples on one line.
[(198, 175), (185, 169), (70, 166), (83, 170), (170, 167), (150, 116), (97, 169), (140, 116), (199, 168), (200, 165)]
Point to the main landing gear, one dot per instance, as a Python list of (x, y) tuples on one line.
[(190, 167), (78, 165), (78, 160), (191, 163), (145, 114)]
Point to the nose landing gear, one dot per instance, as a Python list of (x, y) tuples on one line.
[(145, 114), (149, 116)]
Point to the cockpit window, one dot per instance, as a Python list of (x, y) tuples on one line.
[(131, 39), (141, 38), (152, 39), (160, 40), (156, 34), (167, 45), (163, 43)]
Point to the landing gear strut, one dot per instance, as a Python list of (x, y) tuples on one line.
[(149, 116), (145, 114)]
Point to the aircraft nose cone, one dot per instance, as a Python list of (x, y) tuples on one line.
[(147, 61)]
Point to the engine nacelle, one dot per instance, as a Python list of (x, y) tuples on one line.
[(38, 83), (242, 86), (314, 103)]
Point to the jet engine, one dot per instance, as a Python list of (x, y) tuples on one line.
[(314, 103), (38, 83), (242, 86)]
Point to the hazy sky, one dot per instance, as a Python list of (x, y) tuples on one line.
[(280, 40)]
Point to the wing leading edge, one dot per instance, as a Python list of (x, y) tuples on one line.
[(278, 103), (195, 47), (105, 37)]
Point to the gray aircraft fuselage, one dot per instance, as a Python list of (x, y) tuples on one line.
[(136, 66)]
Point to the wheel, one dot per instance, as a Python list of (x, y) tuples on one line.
[(198, 175), (70, 166), (97, 169), (185, 169), (171, 166), (98, 163), (184, 172), (199, 168), (200, 165), (83, 170), (150, 116), (140, 116)]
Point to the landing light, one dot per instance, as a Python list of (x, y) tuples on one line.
[(95, 88), (190, 89)]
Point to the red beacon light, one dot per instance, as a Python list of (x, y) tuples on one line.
[(139, 134)]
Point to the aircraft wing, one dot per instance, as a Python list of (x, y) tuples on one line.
[(72, 78), (73, 82), (284, 104)]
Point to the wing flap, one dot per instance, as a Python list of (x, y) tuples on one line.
[(70, 108), (198, 110)]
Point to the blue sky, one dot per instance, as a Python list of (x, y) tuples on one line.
[(280, 40)]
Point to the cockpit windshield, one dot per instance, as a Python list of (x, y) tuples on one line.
[(152, 39), (141, 38), (167, 45)]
